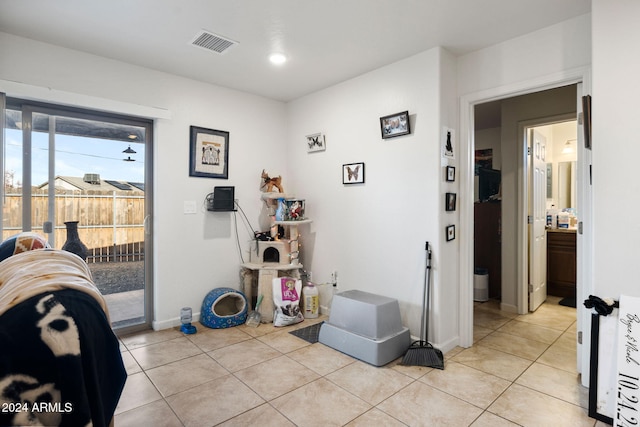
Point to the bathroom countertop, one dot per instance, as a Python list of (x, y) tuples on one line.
[(561, 230)]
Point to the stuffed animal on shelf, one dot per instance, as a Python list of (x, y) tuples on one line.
[(269, 182)]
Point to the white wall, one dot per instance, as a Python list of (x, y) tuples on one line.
[(616, 150), (527, 58), (446, 308), (194, 253), (374, 234)]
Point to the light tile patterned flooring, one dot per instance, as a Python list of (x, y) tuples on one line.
[(520, 372)]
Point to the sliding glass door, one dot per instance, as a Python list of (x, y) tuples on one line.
[(68, 168)]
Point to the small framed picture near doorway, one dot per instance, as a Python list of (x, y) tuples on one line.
[(450, 202), (448, 143), (353, 173), (451, 173), (451, 232)]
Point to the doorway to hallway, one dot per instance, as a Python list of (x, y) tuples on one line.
[(516, 106), (503, 181)]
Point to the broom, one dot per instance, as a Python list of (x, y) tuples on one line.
[(422, 353)]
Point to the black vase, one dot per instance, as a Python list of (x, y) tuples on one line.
[(73, 243)]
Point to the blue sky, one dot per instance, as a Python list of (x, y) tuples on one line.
[(75, 156)]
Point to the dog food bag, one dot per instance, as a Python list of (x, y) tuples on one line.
[(286, 299)]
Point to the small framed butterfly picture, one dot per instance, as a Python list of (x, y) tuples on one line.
[(395, 125), (315, 143), (451, 232), (353, 173)]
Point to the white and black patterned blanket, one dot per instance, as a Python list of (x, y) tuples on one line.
[(60, 362)]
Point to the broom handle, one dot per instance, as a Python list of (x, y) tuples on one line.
[(427, 291)]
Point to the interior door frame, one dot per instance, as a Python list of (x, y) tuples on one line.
[(522, 291), (580, 76)]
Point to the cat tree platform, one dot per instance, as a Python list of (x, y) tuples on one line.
[(365, 326)]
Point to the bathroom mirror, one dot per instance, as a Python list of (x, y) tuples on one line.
[(549, 180), (566, 181)]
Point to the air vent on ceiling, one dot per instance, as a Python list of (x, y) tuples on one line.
[(213, 42)]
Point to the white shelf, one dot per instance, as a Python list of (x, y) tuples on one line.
[(273, 195), (270, 266), (302, 221)]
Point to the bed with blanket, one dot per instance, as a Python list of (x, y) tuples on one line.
[(60, 362)]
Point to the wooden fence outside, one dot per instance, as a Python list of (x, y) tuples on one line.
[(110, 224), (117, 253)]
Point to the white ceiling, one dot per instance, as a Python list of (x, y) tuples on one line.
[(326, 41)]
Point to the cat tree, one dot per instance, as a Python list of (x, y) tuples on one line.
[(274, 258)]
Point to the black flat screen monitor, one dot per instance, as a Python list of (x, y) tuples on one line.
[(489, 183)]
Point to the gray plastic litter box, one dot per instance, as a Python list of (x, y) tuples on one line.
[(365, 326)]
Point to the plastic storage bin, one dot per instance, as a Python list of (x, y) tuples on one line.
[(366, 326)]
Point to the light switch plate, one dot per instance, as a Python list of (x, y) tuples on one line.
[(189, 206)]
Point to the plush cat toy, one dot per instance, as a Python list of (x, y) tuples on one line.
[(269, 183)]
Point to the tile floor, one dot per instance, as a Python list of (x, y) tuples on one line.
[(520, 372)]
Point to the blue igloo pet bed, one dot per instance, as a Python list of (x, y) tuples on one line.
[(223, 308)]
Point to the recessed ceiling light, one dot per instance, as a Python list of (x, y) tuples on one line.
[(278, 58)]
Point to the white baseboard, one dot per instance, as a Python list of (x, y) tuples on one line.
[(174, 322)]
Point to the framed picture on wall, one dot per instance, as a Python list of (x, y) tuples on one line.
[(448, 143), (315, 143), (451, 173), (450, 201), (208, 153), (395, 125), (353, 173), (451, 232)]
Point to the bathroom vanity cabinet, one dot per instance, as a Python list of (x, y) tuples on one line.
[(561, 262)]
